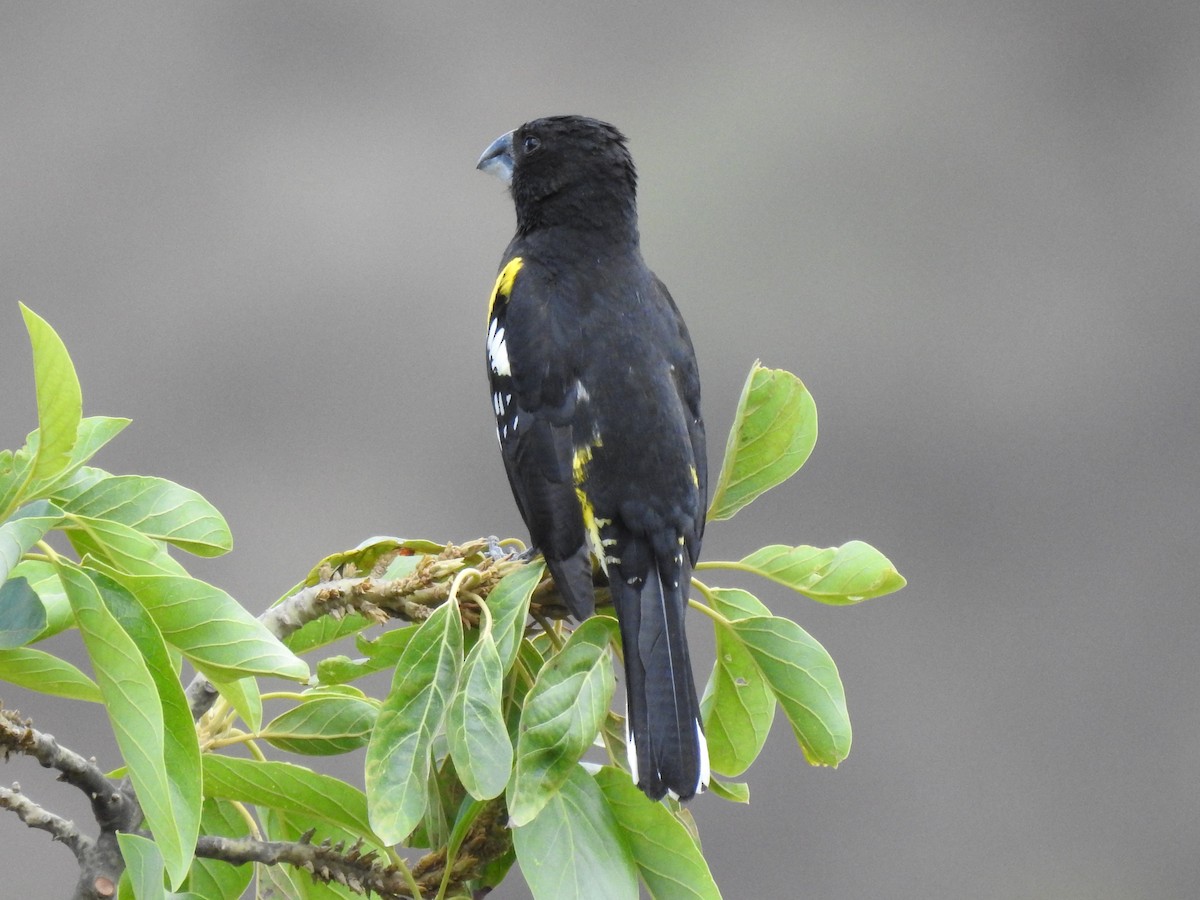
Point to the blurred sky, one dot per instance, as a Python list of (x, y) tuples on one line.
[(972, 228)]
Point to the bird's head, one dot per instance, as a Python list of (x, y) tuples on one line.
[(565, 170)]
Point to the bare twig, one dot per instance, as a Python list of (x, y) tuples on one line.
[(411, 598), (113, 804), (35, 816), (18, 735), (367, 873), (362, 872)]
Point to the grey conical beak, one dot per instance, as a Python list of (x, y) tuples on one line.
[(498, 158)]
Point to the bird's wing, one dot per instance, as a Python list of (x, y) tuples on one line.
[(540, 407)]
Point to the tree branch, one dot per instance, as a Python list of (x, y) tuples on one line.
[(19, 736), (114, 805), (35, 816), (365, 873), (411, 598), (360, 872)]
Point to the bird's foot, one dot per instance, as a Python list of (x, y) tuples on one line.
[(498, 551)]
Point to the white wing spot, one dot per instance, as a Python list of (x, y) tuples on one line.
[(497, 350)]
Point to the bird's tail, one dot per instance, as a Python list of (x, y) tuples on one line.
[(667, 751)]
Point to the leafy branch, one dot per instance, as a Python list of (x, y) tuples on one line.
[(495, 745)]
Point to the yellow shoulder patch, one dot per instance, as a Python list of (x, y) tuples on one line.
[(504, 282)]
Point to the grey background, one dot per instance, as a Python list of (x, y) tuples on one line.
[(972, 228)]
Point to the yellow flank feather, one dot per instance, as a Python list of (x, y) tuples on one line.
[(583, 456), (504, 282), (591, 524)]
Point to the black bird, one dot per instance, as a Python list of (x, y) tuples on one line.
[(597, 402)]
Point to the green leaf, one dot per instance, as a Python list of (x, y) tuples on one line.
[(213, 879), (14, 478), (362, 560), (613, 738), (734, 603), (561, 717), (381, 653), (479, 743), (23, 529), (532, 657), (434, 828), (738, 705), (147, 709), (468, 813), (323, 724), (529, 663), (275, 882), (497, 870), (22, 616), (733, 791), (94, 433), (573, 848), (773, 433), (290, 788), (59, 400), (74, 482), (159, 509), (838, 576), (806, 683), (119, 547), (43, 579), (667, 858), (509, 603), (144, 868), (286, 883), (279, 826), (324, 631), (243, 695), (367, 555), (38, 671), (212, 629), (398, 755)]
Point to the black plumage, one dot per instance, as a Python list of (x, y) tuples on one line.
[(597, 402)]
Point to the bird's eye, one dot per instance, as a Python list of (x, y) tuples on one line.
[(530, 144)]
